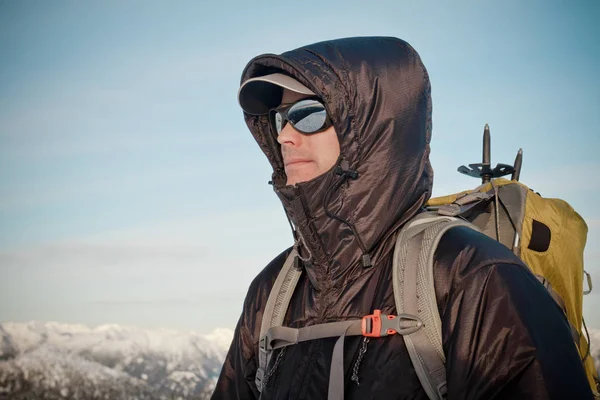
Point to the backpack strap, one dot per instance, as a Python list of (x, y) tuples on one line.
[(414, 292), (275, 336), (374, 325), (275, 310)]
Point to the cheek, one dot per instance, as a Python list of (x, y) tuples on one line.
[(330, 150)]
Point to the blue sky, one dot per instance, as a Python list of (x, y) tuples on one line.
[(131, 191)]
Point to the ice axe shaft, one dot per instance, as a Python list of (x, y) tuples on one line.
[(518, 163), (487, 152)]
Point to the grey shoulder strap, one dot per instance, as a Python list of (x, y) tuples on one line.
[(414, 292), (275, 309)]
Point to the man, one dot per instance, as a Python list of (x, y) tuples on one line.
[(346, 126)]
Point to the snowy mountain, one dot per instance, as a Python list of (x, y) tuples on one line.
[(595, 347), (64, 361)]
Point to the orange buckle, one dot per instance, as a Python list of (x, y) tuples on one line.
[(377, 324)]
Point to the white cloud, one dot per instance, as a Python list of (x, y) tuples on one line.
[(221, 237), (593, 223), (168, 267)]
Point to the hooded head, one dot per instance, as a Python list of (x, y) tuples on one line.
[(376, 92), (309, 143)]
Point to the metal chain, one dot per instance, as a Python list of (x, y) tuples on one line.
[(297, 247), (274, 367), (361, 354)]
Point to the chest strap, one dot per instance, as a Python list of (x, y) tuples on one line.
[(374, 325)]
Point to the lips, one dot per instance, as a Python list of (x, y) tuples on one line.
[(295, 161)]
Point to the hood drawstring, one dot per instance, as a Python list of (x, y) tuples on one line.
[(345, 172)]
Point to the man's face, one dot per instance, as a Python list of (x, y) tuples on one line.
[(306, 156)]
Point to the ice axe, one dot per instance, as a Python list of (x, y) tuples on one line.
[(484, 171), (518, 162)]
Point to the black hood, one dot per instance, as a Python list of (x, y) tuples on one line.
[(377, 93)]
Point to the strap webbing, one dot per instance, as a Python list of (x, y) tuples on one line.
[(336, 373), (281, 336), (275, 309), (414, 292)]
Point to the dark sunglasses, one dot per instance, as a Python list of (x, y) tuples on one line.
[(307, 116)]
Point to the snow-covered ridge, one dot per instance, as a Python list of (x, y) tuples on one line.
[(54, 360), (113, 337), (595, 346)]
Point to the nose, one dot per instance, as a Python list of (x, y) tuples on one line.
[(289, 136)]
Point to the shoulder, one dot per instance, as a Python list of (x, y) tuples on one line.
[(499, 321), (261, 285), (258, 294), (467, 250), (263, 282), (465, 256), (475, 272)]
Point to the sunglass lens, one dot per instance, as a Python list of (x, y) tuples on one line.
[(278, 122), (307, 116)]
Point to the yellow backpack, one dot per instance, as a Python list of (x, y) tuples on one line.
[(546, 233)]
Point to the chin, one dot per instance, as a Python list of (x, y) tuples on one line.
[(300, 179)]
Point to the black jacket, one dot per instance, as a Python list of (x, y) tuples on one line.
[(503, 335)]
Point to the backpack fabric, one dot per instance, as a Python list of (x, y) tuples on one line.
[(546, 233)]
